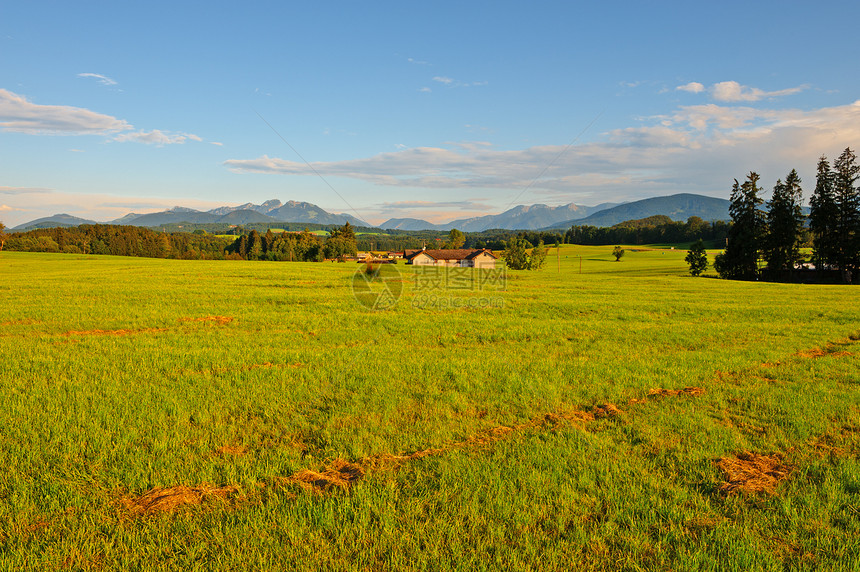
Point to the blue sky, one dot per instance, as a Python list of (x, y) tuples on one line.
[(433, 110)]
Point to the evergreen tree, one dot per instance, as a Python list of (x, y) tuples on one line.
[(784, 225), (346, 232), (255, 246), (740, 259), (268, 241), (847, 198), (822, 217), (697, 258)]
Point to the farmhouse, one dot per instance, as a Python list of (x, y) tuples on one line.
[(463, 257)]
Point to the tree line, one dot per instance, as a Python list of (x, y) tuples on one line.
[(303, 246), (651, 230), (774, 236), (119, 241)]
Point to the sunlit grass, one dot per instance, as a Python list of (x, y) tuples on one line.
[(122, 374)]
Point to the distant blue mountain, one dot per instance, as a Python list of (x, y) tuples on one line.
[(272, 211), (53, 221), (677, 207)]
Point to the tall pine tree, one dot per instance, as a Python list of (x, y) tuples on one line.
[(740, 259), (784, 226), (847, 198), (823, 216)]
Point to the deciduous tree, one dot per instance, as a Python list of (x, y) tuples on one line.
[(697, 258), (456, 239)]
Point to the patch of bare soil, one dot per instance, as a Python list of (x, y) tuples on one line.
[(169, 499), (751, 473)]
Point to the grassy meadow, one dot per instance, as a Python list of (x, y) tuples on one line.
[(196, 415)]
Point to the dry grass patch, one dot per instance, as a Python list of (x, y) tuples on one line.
[(112, 332), (660, 392), (751, 473), (337, 475), (215, 319), (605, 410), (231, 450), (169, 499)]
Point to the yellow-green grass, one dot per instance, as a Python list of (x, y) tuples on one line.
[(120, 375)]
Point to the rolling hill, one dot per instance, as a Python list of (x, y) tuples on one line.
[(677, 207)]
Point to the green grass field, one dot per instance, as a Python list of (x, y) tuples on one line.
[(194, 415)]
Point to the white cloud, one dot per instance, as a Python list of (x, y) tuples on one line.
[(425, 90), (692, 87), (732, 91), (157, 137), (21, 116), (104, 80), (218, 143), (6, 208), (450, 82), (694, 149), (23, 190), (467, 205)]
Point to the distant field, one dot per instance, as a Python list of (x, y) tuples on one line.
[(176, 415)]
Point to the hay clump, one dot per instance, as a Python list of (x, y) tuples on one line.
[(169, 499), (340, 474), (691, 391), (234, 450), (112, 332), (751, 473), (605, 410)]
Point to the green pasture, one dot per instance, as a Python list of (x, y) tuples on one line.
[(121, 375)]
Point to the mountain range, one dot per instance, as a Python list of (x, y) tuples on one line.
[(542, 217), (677, 207), (522, 217), (272, 211)]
